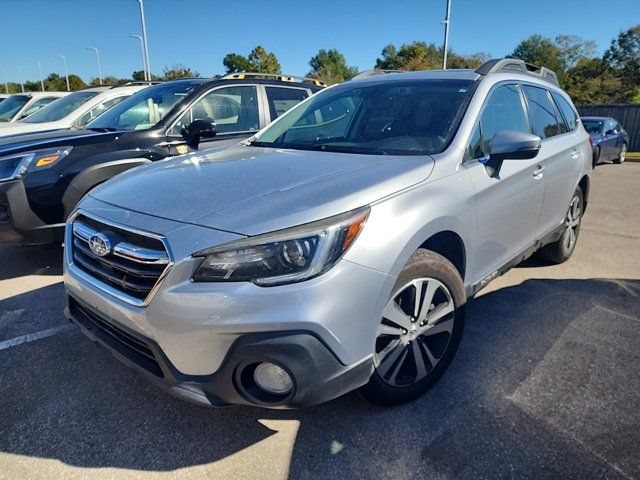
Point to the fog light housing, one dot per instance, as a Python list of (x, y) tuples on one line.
[(272, 379)]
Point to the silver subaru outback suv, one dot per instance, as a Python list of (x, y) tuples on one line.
[(337, 248)]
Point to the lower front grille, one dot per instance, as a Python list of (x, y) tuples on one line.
[(131, 347), (129, 262)]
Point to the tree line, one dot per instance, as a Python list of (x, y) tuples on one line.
[(613, 77)]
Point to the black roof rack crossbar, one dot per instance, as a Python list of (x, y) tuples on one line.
[(277, 76), (374, 72), (519, 66)]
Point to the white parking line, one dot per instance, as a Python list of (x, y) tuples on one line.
[(32, 337)]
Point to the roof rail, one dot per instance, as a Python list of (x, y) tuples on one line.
[(374, 72), (277, 76), (135, 83), (518, 66)]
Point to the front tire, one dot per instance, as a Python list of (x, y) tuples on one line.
[(420, 330), (560, 251), (623, 155)]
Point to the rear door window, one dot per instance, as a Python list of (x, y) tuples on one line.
[(568, 112), (541, 112), (282, 99)]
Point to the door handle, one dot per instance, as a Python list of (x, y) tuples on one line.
[(575, 153), (538, 173)]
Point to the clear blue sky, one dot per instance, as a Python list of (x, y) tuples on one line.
[(199, 33)]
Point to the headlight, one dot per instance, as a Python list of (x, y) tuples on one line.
[(286, 256), (17, 166)]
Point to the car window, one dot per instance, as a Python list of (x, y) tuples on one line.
[(282, 99), (408, 117), (568, 112), (36, 105), (96, 111), (11, 106), (61, 107), (541, 112), (233, 109), (504, 110), (593, 126), (146, 108)]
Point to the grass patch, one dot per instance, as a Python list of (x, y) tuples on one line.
[(634, 155)]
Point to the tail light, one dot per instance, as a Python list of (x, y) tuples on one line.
[(591, 142)]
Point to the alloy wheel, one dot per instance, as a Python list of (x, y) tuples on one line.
[(416, 329), (572, 224), (623, 154)]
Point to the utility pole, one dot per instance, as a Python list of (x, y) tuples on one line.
[(446, 36), (144, 37), (66, 72), (97, 52), (145, 67), (20, 78), (40, 72)]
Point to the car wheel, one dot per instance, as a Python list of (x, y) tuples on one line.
[(561, 251), (596, 156), (420, 330), (623, 155)]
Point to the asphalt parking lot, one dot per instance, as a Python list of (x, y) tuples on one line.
[(545, 385)]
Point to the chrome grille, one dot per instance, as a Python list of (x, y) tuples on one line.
[(133, 264)]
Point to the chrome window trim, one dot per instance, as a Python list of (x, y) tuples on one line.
[(101, 285)]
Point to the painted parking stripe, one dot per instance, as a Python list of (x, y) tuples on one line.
[(32, 337)]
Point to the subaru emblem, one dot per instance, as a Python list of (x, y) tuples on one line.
[(100, 244)]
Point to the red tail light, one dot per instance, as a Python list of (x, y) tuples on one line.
[(591, 142)]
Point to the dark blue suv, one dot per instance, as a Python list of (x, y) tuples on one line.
[(610, 140)]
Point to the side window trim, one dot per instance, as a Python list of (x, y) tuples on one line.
[(260, 93), (268, 104)]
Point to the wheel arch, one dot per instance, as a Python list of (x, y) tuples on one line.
[(451, 246), (93, 176)]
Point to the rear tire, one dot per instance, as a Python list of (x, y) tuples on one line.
[(417, 341), (623, 155), (596, 156), (560, 251)]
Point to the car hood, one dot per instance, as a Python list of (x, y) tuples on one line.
[(251, 190), (16, 128), (29, 141)]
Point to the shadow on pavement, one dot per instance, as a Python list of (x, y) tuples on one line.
[(22, 261), (544, 386)]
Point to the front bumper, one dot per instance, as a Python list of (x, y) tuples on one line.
[(318, 375), (19, 225)]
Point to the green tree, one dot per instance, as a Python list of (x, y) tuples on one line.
[(75, 82), (258, 60), (594, 81), (331, 67), (424, 56), (573, 48), (176, 71), (540, 51), (624, 56)]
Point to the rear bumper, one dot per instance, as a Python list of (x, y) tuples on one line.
[(318, 374), (19, 225)]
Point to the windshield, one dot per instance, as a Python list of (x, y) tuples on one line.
[(593, 126), (60, 108), (413, 117), (11, 106), (144, 109)]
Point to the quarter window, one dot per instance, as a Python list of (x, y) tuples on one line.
[(282, 99), (541, 112), (504, 110), (233, 109), (37, 105)]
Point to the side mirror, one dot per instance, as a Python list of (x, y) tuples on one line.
[(199, 129), (609, 132), (511, 145)]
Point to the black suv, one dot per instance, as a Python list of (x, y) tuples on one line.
[(44, 175)]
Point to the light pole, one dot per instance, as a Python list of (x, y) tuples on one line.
[(144, 38), (20, 78), (145, 68), (66, 72), (446, 35), (40, 72), (6, 83), (95, 50)]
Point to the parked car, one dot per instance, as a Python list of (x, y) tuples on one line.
[(610, 140), (74, 110), (21, 105), (44, 175), (336, 248)]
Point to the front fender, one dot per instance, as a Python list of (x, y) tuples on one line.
[(94, 176)]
